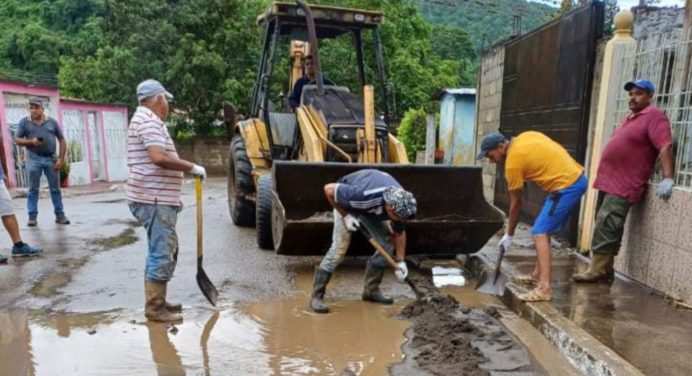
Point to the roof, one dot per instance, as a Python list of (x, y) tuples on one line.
[(328, 19), (460, 91)]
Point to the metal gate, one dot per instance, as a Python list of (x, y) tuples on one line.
[(547, 88)]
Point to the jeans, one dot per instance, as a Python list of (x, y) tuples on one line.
[(35, 166), (162, 256), (341, 239)]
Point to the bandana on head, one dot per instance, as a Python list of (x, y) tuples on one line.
[(402, 201)]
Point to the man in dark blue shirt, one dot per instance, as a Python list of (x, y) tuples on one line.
[(373, 199), (308, 78), (39, 133)]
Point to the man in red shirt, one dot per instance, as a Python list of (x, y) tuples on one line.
[(623, 173)]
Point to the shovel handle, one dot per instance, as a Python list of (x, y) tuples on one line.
[(198, 197), (378, 247)]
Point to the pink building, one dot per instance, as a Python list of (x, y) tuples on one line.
[(96, 134)]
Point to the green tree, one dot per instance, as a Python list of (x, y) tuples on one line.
[(412, 131)]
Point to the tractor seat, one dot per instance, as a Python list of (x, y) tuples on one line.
[(283, 127), (338, 105)]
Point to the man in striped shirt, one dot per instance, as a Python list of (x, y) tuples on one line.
[(373, 199), (153, 193)]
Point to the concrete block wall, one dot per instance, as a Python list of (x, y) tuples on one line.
[(656, 20), (489, 97), (657, 245), (212, 153)]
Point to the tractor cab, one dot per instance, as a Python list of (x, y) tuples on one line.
[(340, 108)]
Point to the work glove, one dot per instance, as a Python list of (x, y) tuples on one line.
[(352, 223), (506, 241), (665, 188), (198, 170), (401, 271)]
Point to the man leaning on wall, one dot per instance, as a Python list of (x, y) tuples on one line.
[(626, 165)]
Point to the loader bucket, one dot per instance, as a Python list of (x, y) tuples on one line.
[(453, 216)]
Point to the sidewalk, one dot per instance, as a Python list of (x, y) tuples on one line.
[(621, 329), (80, 190)]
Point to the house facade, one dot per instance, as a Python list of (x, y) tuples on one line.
[(96, 134)]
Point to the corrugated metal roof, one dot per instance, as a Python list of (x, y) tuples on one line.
[(461, 91)]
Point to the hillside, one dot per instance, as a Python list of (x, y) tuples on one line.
[(486, 21)]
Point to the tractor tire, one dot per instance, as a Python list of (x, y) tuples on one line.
[(263, 215), (240, 184)]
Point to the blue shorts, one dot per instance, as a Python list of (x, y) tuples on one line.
[(557, 208)]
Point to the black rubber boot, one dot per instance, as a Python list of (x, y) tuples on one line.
[(318, 288), (373, 279)]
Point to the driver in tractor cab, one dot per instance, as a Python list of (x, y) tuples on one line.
[(375, 200), (307, 79)]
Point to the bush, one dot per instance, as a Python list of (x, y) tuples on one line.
[(412, 131)]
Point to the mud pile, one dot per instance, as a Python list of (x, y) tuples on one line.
[(449, 339), (441, 339)]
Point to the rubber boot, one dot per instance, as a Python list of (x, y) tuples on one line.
[(600, 270), (171, 307), (318, 288), (155, 306), (373, 279)]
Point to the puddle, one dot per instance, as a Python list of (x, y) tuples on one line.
[(272, 338), (49, 285), (126, 237)]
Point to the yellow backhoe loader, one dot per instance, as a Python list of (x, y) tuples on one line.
[(279, 160)]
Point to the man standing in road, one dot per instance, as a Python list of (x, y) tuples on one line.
[(533, 156), (9, 220), (626, 165), (373, 199), (309, 78), (153, 193), (39, 133)]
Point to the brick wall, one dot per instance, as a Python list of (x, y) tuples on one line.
[(210, 153), (489, 99)]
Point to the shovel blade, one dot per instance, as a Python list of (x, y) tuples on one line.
[(490, 283), (204, 283)]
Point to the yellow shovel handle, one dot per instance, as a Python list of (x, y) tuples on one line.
[(198, 196)]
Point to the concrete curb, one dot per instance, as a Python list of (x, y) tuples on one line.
[(66, 192), (581, 349)]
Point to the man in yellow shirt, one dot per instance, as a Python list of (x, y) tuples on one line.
[(533, 156)]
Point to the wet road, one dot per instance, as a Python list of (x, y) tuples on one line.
[(77, 310)]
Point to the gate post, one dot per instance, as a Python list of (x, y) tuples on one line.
[(614, 75)]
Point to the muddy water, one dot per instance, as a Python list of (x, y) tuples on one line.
[(274, 338)]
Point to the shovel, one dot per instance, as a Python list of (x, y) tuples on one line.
[(390, 260), (493, 282), (203, 281)]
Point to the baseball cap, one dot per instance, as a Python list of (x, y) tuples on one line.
[(149, 88), (402, 201), (642, 84), (490, 142), (36, 101)]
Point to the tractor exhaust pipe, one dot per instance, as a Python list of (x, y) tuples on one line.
[(314, 49)]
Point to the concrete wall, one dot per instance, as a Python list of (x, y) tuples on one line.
[(489, 97), (654, 20), (210, 153), (657, 246)]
